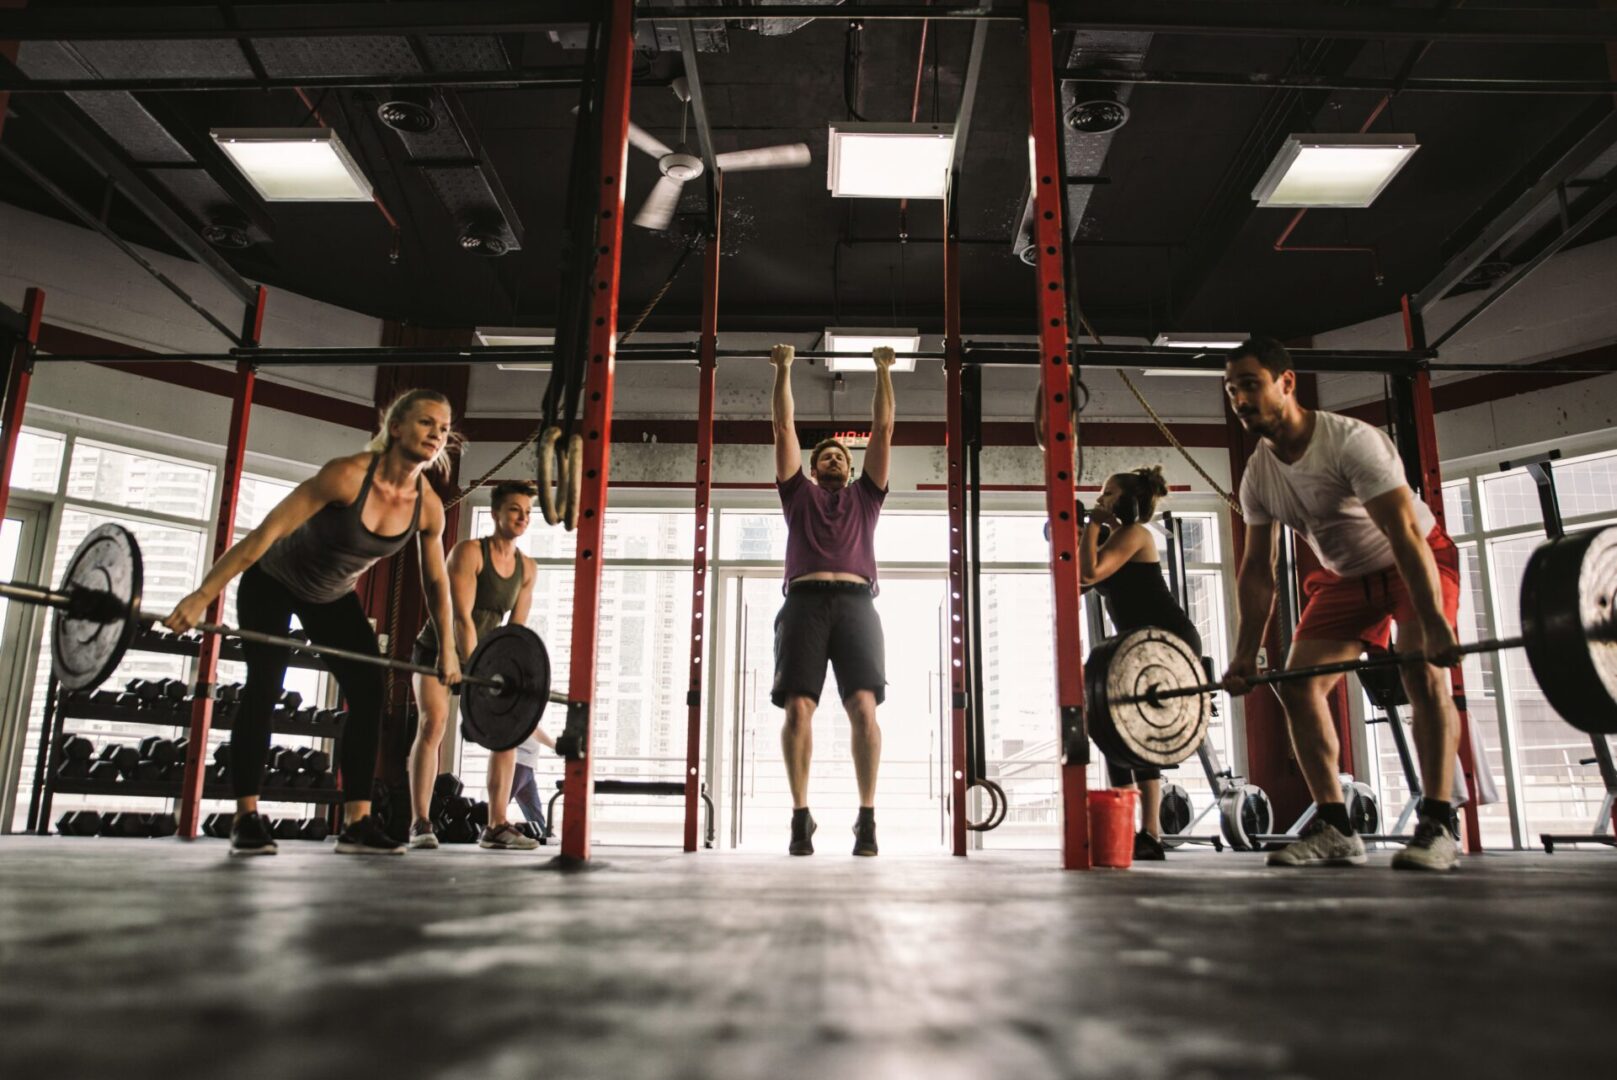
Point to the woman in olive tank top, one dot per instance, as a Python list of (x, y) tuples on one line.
[(1124, 568), (303, 560), (488, 580)]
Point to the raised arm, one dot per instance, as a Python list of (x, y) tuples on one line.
[(788, 455), (879, 451), (1255, 587), (1394, 514), (435, 585), (1099, 560), (337, 481)]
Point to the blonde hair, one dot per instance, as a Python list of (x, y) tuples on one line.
[(1142, 489), (399, 411)]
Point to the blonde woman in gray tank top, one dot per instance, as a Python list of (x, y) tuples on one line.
[(488, 579)]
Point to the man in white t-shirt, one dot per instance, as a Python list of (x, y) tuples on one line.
[(1339, 484)]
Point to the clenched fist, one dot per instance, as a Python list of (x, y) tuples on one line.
[(883, 355), (781, 355)]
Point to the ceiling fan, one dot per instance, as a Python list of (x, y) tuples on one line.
[(679, 165)]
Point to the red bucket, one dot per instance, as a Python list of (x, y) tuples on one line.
[(1111, 827)]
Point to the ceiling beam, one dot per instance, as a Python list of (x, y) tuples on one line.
[(559, 78), (1573, 154), (968, 93), (1259, 80)]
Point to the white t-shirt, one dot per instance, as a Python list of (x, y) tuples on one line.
[(528, 752), (1321, 496)]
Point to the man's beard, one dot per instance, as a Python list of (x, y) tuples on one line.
[(831, 481), (1256, 424)]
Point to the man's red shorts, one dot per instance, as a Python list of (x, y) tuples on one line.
[(1362, 608)]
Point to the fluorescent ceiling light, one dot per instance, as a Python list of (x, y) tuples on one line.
[(889, 161), (1194, 373), (1206, 342), (1333, 170), (295, 164), (854, 346), (515, 335)]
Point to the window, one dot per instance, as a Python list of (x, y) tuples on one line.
[(105, 474), (38, 464)]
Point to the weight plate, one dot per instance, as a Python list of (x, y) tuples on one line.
[(1569, 623), (1176, 810), (503, 719), (1364, 810), (1139, 734), (1243, 813), (84, 651)]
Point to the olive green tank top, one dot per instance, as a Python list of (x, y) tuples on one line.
[(495, 598)]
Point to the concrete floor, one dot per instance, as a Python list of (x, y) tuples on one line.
[(157, 958)]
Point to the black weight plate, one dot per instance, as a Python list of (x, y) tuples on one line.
[(85, 651), (503, 719), (1176, 810), (1569, 621), (1139, 734)]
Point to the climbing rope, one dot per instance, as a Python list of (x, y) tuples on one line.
[(1167, 433)]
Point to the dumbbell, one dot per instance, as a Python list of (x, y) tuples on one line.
[(155, 748), (447, 784), (174, 689), (316, 829), (75, 747), (73, 769), (229, 693), (122, 758), (289, 701), (327, 781), (288, 829), (79, 823), (479, 815), (103, 772), (217, 826), (126, 824), (148, 772), (164, 825), (282, 759), (313, 760)]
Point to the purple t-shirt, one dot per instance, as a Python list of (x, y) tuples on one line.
[(831, 531)]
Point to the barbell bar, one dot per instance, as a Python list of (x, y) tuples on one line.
[(1155, 694), (98, 608)]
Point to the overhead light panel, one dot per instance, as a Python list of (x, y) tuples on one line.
[(513, 335), (295, 164), (1180, 339), (1346, 171), (853, 348), (889, 161)]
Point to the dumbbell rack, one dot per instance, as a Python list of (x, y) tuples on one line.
[(174, 714)]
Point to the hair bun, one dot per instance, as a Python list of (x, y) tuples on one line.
[(1155, 482)]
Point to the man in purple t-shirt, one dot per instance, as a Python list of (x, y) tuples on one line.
[(830, 614)]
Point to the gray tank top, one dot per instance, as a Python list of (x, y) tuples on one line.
[(320, 560), (496, 597)]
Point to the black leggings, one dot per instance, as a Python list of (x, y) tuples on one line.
[(266, 605)]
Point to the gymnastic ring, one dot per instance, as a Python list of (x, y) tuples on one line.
[(996, 810), (546, 474), (573, 478)]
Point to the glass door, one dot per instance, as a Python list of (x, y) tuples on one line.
[(909, 794)]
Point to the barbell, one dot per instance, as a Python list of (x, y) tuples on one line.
[(1149, 699), (504, 688)]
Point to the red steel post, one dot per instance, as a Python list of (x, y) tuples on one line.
[(1431, 473), (618, 43), (1055, 381), (18, 375), (708, 364), (955, 445), (196, 754)]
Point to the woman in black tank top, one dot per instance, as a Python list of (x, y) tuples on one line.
[(302, 561), (1124, 568)]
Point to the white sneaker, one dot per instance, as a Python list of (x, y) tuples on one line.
[(1433, 848), (422, 837), (1320, 845), (506, 837)]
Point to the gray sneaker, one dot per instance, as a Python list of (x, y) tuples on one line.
[(1320, 845), (1432, 848), (506, 837), (422, 838)]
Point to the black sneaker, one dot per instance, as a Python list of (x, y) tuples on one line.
[(802, 833), (864, 833), (251, 834), (367, 837), (1148, 848)]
